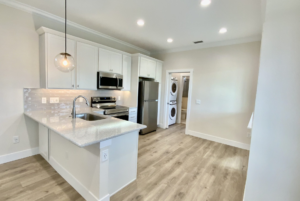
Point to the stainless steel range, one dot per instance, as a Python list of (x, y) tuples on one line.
[(108, 106)]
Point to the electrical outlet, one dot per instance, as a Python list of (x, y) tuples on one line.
[(104, 155), (54, 100), (198, 102), (16, 139), (119, 97), (44, 100)]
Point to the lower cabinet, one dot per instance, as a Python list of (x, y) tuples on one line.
[(44, 141), (132, 115)]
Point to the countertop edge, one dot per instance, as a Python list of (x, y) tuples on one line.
[(81, 145)]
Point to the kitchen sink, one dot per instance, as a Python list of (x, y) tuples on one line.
[(89, 117)]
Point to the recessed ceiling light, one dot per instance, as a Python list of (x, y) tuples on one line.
[(140, 23), (205, 2), (170, 40), (223, 30)]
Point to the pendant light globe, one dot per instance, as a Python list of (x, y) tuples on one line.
[(64, 62)]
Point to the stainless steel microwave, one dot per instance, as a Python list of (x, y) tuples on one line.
[(111, 81)]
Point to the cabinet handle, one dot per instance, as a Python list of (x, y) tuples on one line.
[(78, 85), (73, 85)]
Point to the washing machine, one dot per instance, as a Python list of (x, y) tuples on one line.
[(172, 112), (173, 89)]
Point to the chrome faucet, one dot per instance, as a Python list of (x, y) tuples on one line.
[(74, 108)]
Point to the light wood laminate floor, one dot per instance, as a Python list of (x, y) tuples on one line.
[(171, 167)]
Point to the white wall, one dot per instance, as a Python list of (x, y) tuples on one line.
[(274, 163), (19, 68), (225, 80)]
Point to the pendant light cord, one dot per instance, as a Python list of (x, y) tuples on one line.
[(66, 28)]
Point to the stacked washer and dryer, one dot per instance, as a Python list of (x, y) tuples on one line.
[(173, 101)]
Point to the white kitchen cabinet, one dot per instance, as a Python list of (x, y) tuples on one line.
[(87, 66), (126, 72), (147, 68), (110, 61), (158, 78), (50, 46), (132, 115), (44, 141)]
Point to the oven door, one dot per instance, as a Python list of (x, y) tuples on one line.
[(109, 81), (122, 115)]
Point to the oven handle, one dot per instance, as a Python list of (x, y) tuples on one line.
[(119, 114)]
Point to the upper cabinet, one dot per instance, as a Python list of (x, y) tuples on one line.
[(51, 77), (110, 61), (147, 68), (87, 66), (89, 58)]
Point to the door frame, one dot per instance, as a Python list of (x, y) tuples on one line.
[(166, 95)]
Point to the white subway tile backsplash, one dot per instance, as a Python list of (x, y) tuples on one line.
[(33, 98)]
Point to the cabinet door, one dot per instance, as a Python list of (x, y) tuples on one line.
[(87, 66), (56, 78), (116, 60), (147, 68), (126, 72), (151, 68), (144, 67), (44, 141), (104, 60), (158, 78)]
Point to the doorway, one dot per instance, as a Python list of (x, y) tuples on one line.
[(178, 84)]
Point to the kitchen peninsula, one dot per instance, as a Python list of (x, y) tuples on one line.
[(98, 158)]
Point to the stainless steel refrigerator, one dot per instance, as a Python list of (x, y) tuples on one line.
[(147, 105)]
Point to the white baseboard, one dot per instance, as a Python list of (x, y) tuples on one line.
[(105, 198), (18, 155), (219, 140), (81, 189), (122, 187), (160, 126)]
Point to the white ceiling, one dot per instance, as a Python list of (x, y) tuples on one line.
[(183, 20)]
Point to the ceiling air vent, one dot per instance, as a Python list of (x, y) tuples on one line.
[(196, 42)]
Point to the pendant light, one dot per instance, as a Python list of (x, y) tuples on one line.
[(64, 61)]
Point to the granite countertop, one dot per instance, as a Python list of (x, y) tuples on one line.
[(80, 132)]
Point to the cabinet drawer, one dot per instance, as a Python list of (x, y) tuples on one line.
[(132, 116), (133, 119), (133, 110)]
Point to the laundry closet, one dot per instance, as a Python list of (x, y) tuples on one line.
[(178, 98)]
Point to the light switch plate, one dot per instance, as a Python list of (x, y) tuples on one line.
[(44, 100), (198, 102)]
